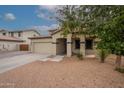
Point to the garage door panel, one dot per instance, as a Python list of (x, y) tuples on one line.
[(45, 48)]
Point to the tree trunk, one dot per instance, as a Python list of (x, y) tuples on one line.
[(118, 61)]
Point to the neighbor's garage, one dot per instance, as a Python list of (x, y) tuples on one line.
[(24, 47), (42, 45)]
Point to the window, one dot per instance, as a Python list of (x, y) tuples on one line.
[(4, 34), (77, 44), (12, 34), (19, 34), (89, 44)]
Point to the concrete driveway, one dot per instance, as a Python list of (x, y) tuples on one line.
[(12, 60)]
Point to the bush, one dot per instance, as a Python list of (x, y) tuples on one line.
[(121, 70), (103, 53), (80, 56)]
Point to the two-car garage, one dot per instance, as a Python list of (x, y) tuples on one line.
[(43, 45)]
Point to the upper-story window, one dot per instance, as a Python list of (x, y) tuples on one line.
[(4, 34), (19, 34), (12, 34)]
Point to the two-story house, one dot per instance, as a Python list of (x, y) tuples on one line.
[(22, 35)]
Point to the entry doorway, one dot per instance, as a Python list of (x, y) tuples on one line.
[(89, 46), (61, 46)]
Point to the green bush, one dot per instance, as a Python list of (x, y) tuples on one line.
[(103, 53), (121, 70), (80, 56)]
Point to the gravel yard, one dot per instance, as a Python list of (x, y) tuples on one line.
[(70, 72)]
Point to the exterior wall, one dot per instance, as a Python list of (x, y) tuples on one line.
[(69, 45), (9, 46), (1, 33), (26, 34)]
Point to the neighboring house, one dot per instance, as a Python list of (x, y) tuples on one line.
[(57, 44), (22, 35), (3, 32), (8, 43)]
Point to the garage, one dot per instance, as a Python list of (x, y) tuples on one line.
[(43, 47), (24, 47)]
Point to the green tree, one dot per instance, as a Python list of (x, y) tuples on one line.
[(103, 22), (112, 37)]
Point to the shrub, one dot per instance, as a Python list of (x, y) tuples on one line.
[(121, 70), (103, 53), (80, 56)]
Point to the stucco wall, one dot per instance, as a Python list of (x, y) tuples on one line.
[(27, 34), (9, 46)]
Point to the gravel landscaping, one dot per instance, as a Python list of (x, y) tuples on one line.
[(71, 72)]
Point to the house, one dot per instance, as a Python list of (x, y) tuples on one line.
[(22, 35), (8, 43), (57, 44)]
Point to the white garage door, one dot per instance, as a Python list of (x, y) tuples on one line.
[(44, 48)]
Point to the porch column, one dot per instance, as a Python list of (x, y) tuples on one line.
[(82, 45), (31, 47), (95, 42), (69, 45)]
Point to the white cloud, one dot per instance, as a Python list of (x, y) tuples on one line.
[(43, 29), (47, 11), (9, 17), (43, 16), (50, 8)]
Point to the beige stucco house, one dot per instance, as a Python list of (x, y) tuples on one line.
[(57, 44), (8, 43), (22, 35)]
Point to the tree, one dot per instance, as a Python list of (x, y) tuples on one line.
[(107, 24), (103, 22), (112, 37), (73, 19)]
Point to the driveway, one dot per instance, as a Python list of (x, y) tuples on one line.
[(7, 54), (11, 60)]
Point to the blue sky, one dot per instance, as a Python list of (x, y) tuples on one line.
[(26, 17)]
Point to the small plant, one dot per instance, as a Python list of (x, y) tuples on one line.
[(121, 70), (80, 56), (103, 53)]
